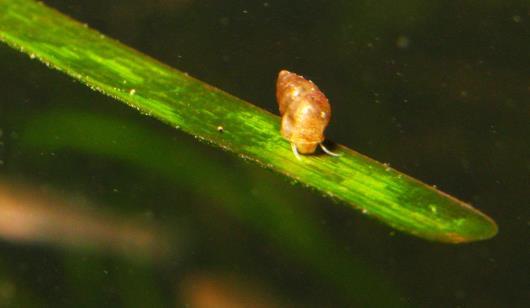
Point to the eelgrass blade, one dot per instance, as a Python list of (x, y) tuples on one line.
[(252, 133)]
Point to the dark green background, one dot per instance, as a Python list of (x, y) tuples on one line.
[(439, 89)]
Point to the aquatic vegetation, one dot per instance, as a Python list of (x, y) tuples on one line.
[(246, 130)]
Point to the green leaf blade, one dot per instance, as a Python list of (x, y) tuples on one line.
[(253, 133)]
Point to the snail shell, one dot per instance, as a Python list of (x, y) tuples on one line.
[(305, 111)]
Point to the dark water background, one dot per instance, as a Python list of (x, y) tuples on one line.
[(439, 89)]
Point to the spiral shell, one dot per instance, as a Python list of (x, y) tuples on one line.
[(305, 112)]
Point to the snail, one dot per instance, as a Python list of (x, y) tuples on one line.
[(305, 113)]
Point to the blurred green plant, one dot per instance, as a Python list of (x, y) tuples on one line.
[(234, 125), (280, 218)]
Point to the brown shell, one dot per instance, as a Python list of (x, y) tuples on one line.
[(305, 111)]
